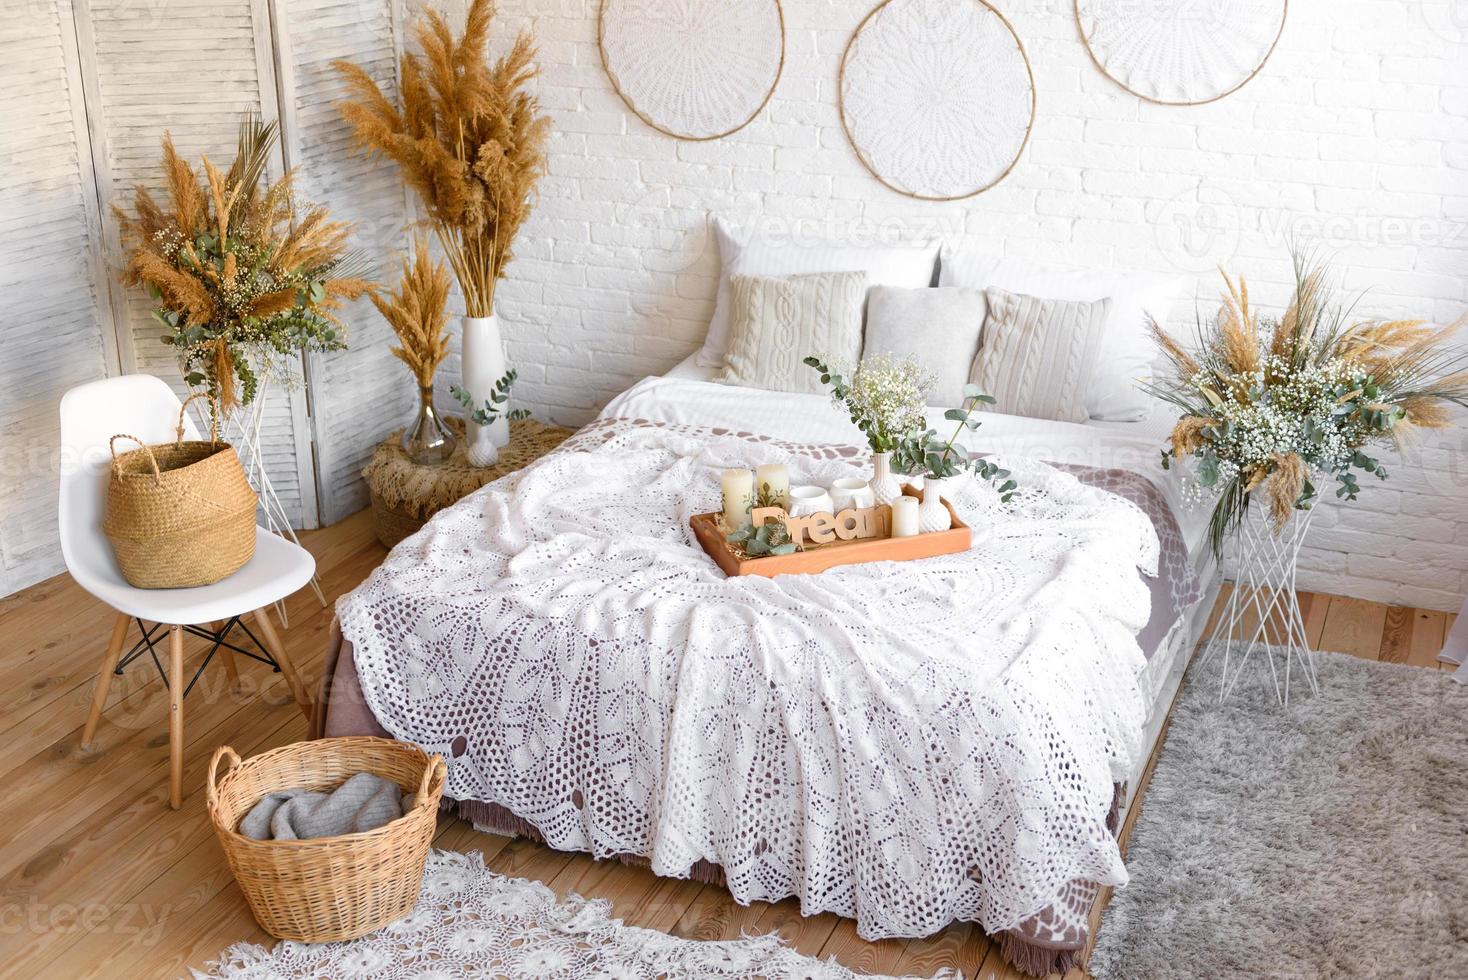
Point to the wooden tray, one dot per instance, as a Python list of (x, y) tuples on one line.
[(819, 557)]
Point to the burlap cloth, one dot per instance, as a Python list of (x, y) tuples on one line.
[(405, 495)]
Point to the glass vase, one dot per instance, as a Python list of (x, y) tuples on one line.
[(427, 441)]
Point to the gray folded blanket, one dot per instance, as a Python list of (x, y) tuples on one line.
[(361, 803)]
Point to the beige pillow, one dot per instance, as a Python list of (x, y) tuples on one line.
[(777, 322), (1036, 355)]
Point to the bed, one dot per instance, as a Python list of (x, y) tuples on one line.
[(868, 740)]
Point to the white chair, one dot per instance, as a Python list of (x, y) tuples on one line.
[(144, 406)]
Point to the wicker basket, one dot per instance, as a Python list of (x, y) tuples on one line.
[(329, 888), (179, 515)]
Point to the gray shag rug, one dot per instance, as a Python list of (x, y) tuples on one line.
[(1326, 839)]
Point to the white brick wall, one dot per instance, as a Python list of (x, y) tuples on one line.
[(1355, 136)]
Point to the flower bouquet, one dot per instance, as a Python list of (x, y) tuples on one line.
[(1271, 406), (886, 399), (243, 274), (1274, 406)]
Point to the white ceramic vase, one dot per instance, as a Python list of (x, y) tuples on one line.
[(482, 364), (885, 485), (932, 515)]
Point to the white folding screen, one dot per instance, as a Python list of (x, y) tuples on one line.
[(191, 70), (360, 393), (54, 332), (87, 90)]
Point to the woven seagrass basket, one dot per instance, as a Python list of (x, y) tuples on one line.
[(328, 888), (179, 514)]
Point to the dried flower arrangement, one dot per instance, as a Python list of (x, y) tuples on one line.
[(1269, 404), (418, 314), (469, 139), (243, 273)]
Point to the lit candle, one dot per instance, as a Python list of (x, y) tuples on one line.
[(772, 485), (738, 488), (904, 517)]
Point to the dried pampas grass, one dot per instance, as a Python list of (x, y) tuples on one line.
[(1187, 435), (1286, 484), (1238, 328), (470, 139), (418, 314)]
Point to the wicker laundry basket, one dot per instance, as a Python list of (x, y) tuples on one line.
[(179, 514), (328, 888)]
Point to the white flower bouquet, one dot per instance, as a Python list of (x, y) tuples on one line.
[(885, 397)]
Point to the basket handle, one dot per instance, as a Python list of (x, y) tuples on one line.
[(116, 469), (435, 764), (212, 784), (213, 418)]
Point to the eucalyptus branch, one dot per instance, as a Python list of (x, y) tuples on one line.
[(495, 405), (926, 453)]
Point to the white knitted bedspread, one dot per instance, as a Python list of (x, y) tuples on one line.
[(902, 743)]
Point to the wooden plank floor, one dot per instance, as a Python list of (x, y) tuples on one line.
[(99, 878)]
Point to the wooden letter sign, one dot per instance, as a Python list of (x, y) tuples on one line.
[(823, 528)]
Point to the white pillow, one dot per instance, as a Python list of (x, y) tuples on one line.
[(765, 251), (1126, 353)]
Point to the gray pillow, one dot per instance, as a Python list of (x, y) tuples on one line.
[(1038, 354), (776, 322), (940, 327)]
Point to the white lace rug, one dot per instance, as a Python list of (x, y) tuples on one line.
[(471, 922)]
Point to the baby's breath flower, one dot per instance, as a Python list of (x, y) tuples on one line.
[(886, 398)]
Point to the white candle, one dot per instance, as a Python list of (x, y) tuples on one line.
[(904, 517), (738, 486), (772, 485)]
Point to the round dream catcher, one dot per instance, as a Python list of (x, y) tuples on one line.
[(937, 97), (1181, 52), (693, 69)]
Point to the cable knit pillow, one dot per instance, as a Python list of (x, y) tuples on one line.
[(1036, 355), (772, 247), (777, 322), (1126, 355)]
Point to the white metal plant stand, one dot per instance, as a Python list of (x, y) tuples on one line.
[(1264, 598), (242, 429)]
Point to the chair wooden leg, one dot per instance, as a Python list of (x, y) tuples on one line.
[(231, 666), (104, 678), (176, 682), (277, 650)]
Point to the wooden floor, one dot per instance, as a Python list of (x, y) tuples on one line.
[(99, 878)]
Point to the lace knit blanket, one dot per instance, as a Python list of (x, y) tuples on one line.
[(906, 744)]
